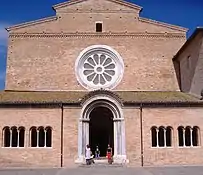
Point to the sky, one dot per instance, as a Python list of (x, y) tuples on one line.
[(185, 13)]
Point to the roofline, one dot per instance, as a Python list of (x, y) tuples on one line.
[(190, 39), (163, 24), (149, 104), (39, 21), (71, 2)]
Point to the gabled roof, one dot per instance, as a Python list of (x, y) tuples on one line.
[(25, 24), (76, 97), (163, 24), (121, 2), (190, 39), (72, 2)]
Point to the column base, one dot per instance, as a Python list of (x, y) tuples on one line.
[(120, 159), (80, 160)]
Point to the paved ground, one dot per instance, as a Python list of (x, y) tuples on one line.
[(103, 170)]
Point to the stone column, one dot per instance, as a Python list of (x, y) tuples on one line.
[(119, 141), (80, 139), (123, 151), (87, 132), (115, 138), (83, 139), (119, 136)]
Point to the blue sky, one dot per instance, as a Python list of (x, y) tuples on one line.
[(186, 13)]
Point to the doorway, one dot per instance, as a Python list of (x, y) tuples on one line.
[(101, 129)]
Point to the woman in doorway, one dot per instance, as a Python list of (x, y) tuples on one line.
[(88, 155), (109, 154)]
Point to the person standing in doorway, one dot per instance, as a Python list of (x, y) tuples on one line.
[(109, 154), (88, 155), (97, 152)]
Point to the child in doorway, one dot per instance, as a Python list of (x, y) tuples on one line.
[(97, 152)]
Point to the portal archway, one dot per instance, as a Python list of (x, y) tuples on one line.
[(101, 129), (105, 102)]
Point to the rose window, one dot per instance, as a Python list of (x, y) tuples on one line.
[(99, 67)]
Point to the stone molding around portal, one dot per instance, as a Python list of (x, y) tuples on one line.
[(118, 122)]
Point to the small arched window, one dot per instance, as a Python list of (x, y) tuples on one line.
[(48, 131), (154, 136), (195, 136), (7, 136), (33, 137), (41, 137), (14, 133), (21, 132), (13, 136), (181, 136), (161, 137), (168, 136), (188, 136)]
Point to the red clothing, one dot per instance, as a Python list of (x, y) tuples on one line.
[(109, 155)]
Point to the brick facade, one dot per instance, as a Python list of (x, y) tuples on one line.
[(48, 49), (27, 156), (136, 121), (145, 63), (145, 46), (173, 155)]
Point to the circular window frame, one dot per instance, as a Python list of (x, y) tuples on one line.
[(107, 50)]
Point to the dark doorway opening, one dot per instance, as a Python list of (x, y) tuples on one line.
[(101, 130)]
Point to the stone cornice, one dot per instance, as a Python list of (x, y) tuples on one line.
[(174, 27), (31, 23), (121, 2), (70, 11), (97, 35)]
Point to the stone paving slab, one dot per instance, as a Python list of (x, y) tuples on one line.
[(111, 170), (179, 170)]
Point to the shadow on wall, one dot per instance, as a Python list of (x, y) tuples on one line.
[(176, 65)]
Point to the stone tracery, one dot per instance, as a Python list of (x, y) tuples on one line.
[(99, 66)]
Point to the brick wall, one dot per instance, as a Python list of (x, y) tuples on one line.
[(30, 156), (191, 66), (49, 63), (40, 62), (70, 135), (51, 157), (174, 155), (133, 135)]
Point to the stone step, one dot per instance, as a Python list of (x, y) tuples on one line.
[(101, 165)]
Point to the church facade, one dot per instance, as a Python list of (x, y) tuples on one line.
[(98, 73)]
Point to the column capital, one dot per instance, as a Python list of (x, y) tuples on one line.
[(84, 120)]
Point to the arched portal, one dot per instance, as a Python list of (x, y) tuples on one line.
[(101, 129), (90, 111)]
